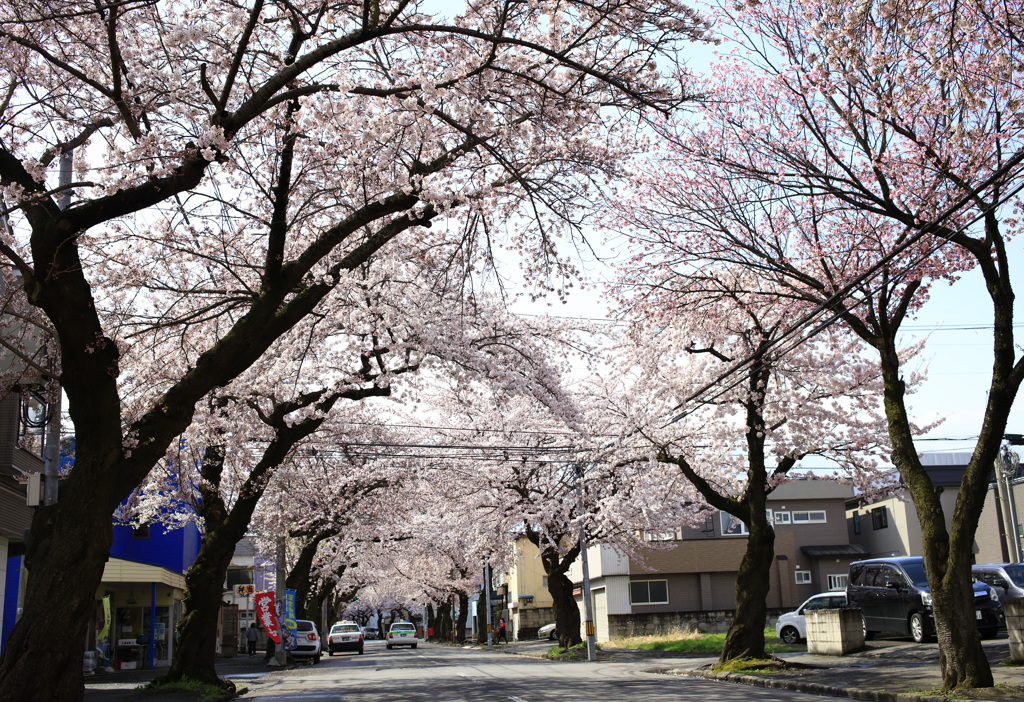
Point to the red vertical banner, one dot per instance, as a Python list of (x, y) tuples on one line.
[(265, 613)]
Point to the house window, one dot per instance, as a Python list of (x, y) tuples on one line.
[(809, 517), (879, 518), (837, 582), (643, 592), (782, 518), (856, 522), (140, 531), (803, 577), (239, 576), (731, 526)]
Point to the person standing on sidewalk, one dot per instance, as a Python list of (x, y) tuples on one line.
[(252, 634)]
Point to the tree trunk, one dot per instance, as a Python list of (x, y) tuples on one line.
[(444, 621), (947, 557), (315, 606), (195, 652), (431, 622), (745, 638), (567, 612), (481, 618), (65, 555), (460, 623), (299, 577)]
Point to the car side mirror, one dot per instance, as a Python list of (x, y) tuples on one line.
[(999, 582), (893, 585)]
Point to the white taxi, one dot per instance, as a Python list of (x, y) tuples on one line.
[(402, 634), (345, 636)]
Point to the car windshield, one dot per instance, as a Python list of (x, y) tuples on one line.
[(816, 603), (915, 571), (1016, 573)]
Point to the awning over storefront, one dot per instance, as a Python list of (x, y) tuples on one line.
[(118, 570)]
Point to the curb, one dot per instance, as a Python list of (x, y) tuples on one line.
[(812, 688)]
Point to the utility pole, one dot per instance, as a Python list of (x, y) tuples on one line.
[(487, 598), (51, 443), (279, 596), (588, 606), (1006, 470)]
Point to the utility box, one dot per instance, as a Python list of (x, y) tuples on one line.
[(834, 632), (35, 489), (1014, 609)]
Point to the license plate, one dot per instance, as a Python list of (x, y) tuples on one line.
[(977, 614)]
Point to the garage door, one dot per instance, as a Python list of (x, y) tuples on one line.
[(600, 615)]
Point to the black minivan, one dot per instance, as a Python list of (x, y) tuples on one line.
[(893, 596)]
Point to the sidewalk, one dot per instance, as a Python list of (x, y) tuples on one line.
[(886, 670), (122, 684)]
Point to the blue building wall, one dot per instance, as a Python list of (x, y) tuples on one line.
[(174, 549), (10, 597)]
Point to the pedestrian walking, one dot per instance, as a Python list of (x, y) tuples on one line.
[(502, 633), (252, 634)]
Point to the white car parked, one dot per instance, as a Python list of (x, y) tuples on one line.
[(791, 627)]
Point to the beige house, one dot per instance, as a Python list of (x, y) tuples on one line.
[(890, 527), (529, 602)]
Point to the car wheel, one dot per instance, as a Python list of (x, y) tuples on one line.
[(989, 633), (553, 636), (414, 645), (868, 635), (330, 652), (316, 659), (789, 635), (917, 628), (389, 647)]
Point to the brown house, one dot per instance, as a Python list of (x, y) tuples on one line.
[(689, 579)]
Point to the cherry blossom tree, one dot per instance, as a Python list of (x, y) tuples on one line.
[(533, 471), (234, 164), (404, 329), (701, 383), (853, 155), (26, 339)]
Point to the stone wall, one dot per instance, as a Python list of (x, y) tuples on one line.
[(529, 619), (715, 621)]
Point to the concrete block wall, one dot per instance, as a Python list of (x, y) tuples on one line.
[(834, 632), (1014, 608)]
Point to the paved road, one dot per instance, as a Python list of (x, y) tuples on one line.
[(444, 674)]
